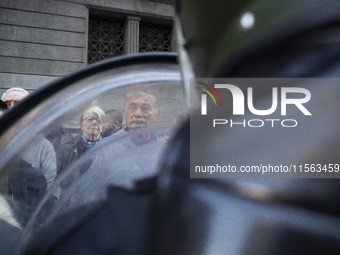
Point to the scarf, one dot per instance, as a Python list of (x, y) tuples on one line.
[(85, 144)]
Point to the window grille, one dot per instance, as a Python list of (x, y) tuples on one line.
[(154, 38), (105, 38)]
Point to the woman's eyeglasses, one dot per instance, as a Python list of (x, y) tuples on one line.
[(91, 119)]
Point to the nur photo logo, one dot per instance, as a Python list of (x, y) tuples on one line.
[(204, 97), (244, 103)]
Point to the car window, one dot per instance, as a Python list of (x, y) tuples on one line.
[(52, 159)]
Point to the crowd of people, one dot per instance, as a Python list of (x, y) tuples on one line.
[(49, 156)]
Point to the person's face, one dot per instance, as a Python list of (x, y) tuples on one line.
[(13, 96), (91, 126), (140, 112), (109, 124)]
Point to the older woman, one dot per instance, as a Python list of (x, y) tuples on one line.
[(91, 124)]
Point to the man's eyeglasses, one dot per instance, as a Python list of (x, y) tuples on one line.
[(146, 108), (91, 119)]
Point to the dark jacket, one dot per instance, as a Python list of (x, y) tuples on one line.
[(66, 155)]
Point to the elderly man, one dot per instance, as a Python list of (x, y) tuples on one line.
[(39, 152), (140, 112), (13, 95), (113, 122)]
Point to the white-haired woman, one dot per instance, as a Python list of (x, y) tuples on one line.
[(91, 124)]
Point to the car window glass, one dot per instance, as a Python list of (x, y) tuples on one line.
[(47, 136)]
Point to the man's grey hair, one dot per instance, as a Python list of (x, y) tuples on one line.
[(14, 89), (94, 109), (140, 94)]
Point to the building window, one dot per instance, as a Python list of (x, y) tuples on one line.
[(111, 37), (106, 38), (154, 38)]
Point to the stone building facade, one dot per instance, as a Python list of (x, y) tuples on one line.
[(41, 40)]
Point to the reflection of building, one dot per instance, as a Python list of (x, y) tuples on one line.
[(45, 39)]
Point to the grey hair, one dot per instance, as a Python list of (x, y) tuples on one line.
[(14, 89), (140, 94), (94, 109)]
